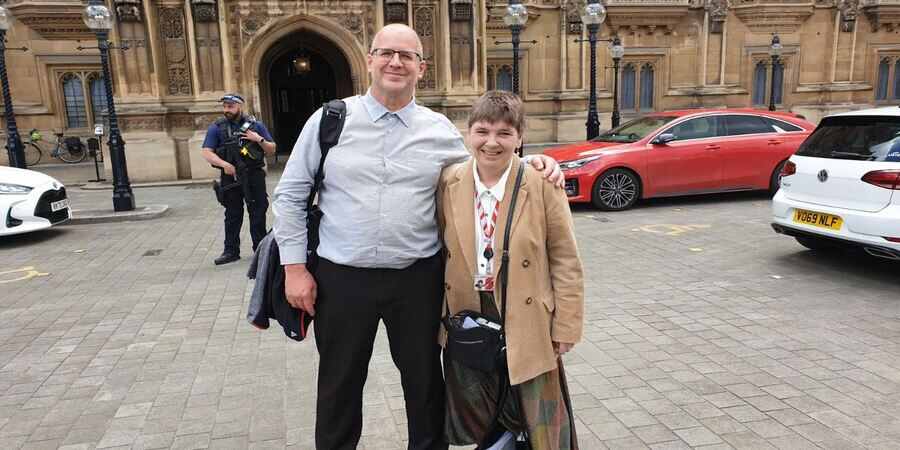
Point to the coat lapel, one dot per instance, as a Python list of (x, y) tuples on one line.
[(504, 210), (462, 201)]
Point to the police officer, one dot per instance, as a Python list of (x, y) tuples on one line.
[(236, 144)]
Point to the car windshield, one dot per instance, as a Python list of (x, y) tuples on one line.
[(860, 138), (634, 130)]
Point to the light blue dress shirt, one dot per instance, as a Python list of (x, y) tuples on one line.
[(378, 195)]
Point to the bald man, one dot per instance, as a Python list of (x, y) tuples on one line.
[(379, 251)]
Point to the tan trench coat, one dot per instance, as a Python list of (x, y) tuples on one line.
[(546, 283)]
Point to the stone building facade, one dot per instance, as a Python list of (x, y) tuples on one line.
[(287, 57)]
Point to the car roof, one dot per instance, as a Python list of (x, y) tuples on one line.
[(688, 112), (883, 111)]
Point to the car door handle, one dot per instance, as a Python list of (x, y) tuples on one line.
[(775, 142), (713, 147)]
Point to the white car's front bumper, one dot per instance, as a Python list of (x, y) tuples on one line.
[(859, 229), (32, 211)]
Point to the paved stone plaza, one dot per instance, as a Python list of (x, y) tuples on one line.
[(703, 329)]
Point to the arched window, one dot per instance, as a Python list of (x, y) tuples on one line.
[(759, 83), (628, 86), (505, 78), (73, 96), (98, 99), (647, 87), (897, 80), (778, 82), (881, 89)]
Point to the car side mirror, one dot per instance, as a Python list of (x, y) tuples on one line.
[(663, 139)]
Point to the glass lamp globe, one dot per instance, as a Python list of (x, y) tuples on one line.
[(594, 14), (616, 49), (97, 17), (516, 14), (776, 48), (5, 19)]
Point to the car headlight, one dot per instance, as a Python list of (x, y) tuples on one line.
[(570, 165), (9, 188)]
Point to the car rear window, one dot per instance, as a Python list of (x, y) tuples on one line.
[(781, 126), (859, 138)]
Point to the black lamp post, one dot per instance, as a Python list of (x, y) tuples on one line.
[(515, 18), (616, 50), (14, 149), (775, 52), (593, 15), (98, 18)]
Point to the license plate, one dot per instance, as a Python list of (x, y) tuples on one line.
[(58, 205), (818, 219)]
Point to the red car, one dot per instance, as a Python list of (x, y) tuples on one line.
[(680, 153)]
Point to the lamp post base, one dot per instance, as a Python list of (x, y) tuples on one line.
[(123, 200)]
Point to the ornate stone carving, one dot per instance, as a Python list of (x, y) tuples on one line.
[(182, 121), (129, 11), (573, 19), (57, 21), (423, 23), (883, 14), (848, 9), (205, 10), (395, 11), (171, 30), (718, 13), (250, 25), (142, 123), (171, 23)]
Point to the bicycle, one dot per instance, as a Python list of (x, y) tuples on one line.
[(33, 153)]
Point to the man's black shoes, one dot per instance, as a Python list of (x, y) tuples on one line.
[(226, 258)]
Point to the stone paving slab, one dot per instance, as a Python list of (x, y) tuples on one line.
[(704, 329)]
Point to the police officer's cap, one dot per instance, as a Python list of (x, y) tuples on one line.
[(232, 98)]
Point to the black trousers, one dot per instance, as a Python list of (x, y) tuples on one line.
[(350, 303), (257, 205)]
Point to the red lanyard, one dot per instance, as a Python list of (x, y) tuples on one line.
[(487, 228)]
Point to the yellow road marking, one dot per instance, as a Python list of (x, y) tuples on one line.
[(28, 273), (672, 229)]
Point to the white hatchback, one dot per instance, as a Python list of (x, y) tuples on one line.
[(30, 201), (842, 187)]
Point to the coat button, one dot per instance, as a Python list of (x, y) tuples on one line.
[(448, 255), (447, 286), (529, 300), (526, 263)]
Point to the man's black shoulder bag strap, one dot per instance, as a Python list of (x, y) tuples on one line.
[(330, 127)]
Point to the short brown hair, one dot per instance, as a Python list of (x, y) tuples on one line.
[(499, 106)]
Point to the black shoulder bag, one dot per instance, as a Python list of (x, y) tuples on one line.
[(330, 127), (483, 347)]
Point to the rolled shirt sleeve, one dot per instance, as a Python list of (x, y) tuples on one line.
[(289, 204)]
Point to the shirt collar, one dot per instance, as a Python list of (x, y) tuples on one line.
[(377, 110), (498, 190)]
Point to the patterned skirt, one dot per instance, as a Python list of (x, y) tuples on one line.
[(540, 406)]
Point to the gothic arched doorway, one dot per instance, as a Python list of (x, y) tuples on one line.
[(299, 73)]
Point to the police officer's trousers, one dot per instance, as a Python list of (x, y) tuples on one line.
[(257, 205)]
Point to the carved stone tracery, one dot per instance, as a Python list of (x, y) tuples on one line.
[(129, 11), (171, 30), (204, 10), (718, 13)]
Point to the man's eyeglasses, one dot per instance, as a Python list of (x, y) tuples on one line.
[(406, 56)]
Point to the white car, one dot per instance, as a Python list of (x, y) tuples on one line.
[(842, 187), (30, 201)]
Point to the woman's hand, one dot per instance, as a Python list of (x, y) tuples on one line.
[(561, 348)]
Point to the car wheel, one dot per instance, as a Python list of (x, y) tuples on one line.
[(813, 243), (616, 190), (775, 180)]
